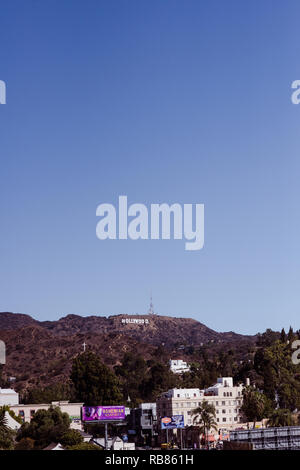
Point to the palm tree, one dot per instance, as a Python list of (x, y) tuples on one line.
[(205, 418), (3, 420), (280, 417)]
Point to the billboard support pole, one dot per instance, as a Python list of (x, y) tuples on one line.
[(181, 438), (106, 438), (167, 436)]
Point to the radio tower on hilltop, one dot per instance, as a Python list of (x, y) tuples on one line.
[(151, 308)]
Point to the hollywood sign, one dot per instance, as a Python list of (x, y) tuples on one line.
[(137, 321)]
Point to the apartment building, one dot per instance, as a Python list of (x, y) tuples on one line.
[(226, 398)]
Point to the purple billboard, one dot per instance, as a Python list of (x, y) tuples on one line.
[(103, 413)]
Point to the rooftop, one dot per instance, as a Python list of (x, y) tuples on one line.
[(7, 391)]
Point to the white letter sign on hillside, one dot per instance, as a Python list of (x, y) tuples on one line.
[(137, 321)]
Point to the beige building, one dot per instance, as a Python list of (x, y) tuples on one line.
[(226, 398), (26, 412)]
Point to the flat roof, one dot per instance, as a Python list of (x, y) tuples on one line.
[(48, 404)]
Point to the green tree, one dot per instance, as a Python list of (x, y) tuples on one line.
[(255, 405), (290, 335), (94, 383), (45, 427), (6, 434), (26, 443), (55, 392), (132, 372), (3, 420), (283, 336), (84, 446), (281, 378), (204, 418), (71, 438), (160, 379), (280, 417)]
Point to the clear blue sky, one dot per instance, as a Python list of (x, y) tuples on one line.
[(164, 101)]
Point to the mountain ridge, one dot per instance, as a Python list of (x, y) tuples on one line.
[(41, 353)]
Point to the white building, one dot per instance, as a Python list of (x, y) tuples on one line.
[(114, 443), (177, 366), (26, 412), (8, 397), (226, 398)]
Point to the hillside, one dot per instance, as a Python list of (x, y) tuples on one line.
[(40, 353), (160, 329)]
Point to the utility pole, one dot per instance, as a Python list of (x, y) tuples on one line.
[(106, 437)]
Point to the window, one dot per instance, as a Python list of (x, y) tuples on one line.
[(223, 411), (224, 420), (223, 403)]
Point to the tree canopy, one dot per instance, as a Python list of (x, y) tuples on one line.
[(45, 427), (94, 383)]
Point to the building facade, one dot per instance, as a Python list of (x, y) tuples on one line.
[(143, 422), (177, 366), (226, 398), (27, 412), (8, 397)]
